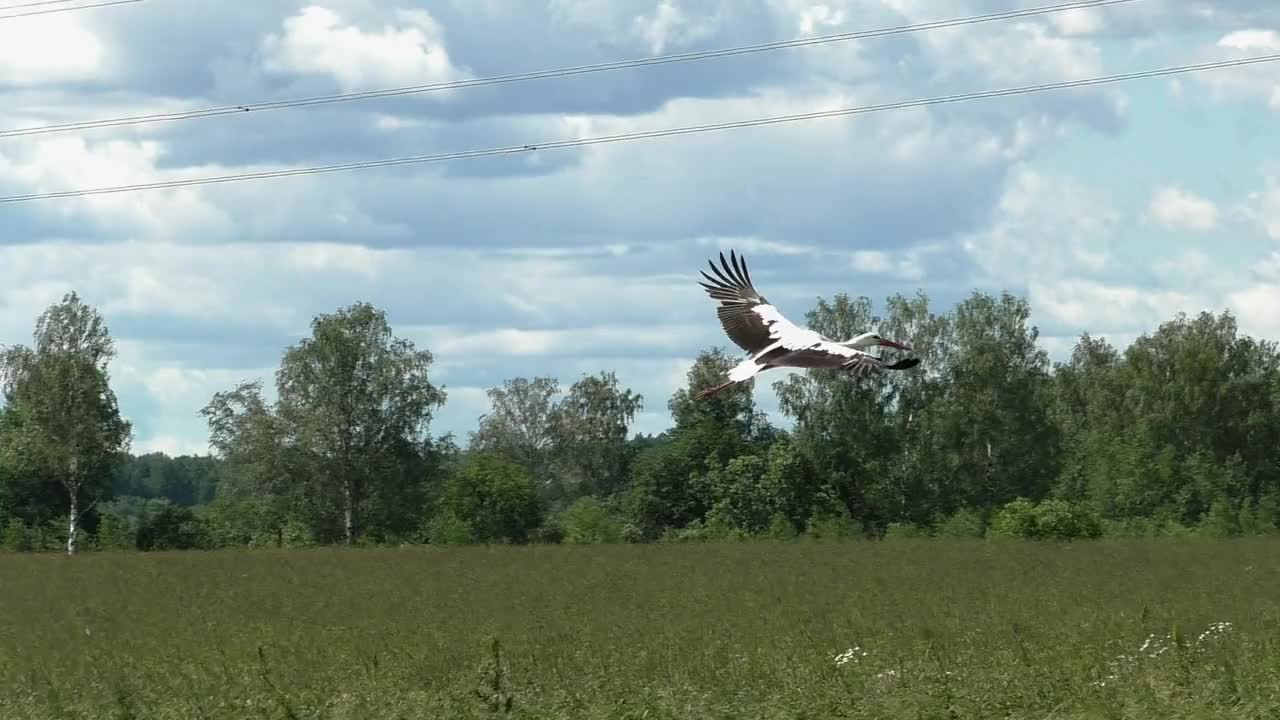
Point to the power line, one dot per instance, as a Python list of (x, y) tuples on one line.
[(560, 72), (58, 10), (6, 8), (643, 135)]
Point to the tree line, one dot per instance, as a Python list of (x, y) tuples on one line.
[(1178, 433)]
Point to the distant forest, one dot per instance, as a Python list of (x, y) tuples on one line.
[(1177, 434)]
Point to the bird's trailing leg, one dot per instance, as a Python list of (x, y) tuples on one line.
[(708, 392)]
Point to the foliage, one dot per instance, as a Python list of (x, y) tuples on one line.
[(68, 431), (185, 480), (165, 526), (1052, 519), (570, 445), (493, 497), (521, 424), (588, 520), (1177, 434), (355, 402), (343, 453)]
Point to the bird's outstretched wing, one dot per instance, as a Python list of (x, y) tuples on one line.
[(740, 303), (839, 357), (866, 364)]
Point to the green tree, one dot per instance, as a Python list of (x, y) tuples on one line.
[(1184, 417), (491, 499), (1088, 418), (183, 480), (841, 420), (668, 480), (27, 492), (521, 424), (910, 487), (75, 434), (588, 520), (355, 400), (591, 432), (165, 526), (995, 436), (257, 495), (751, 490)]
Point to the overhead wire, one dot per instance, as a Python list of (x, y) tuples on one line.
[(554, 73), (48, 11), (648, 134), (41, 3)]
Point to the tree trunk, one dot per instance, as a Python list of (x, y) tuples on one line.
[(73, 522), (348, 496)]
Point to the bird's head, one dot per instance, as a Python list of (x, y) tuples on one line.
[(870, 339)]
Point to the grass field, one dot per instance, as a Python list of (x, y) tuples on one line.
[(927, 629)]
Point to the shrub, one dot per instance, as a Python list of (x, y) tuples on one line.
[(588, 520), (901, 531), (1016, 519), (965, 523), (1049, 520), (781, 528)]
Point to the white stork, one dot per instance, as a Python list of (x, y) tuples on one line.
[(774, 341)]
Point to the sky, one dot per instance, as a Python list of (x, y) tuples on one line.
[(1110, 208)]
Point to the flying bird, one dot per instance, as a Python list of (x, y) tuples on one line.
[(774, 341)]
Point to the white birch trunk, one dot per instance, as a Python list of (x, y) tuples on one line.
[(349, 510), (73, 521), (73, 510)]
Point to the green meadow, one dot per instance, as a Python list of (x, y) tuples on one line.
[(1162, 628)]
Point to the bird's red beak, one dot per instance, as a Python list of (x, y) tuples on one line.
[(893, 344)]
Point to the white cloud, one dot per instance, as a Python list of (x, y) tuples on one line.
[(1084, 266), (327, 256), (1253, 39), (756, 246), (1265, 208), (876, 261), (600, 340), (669, 25), (1045, 227), (1257, 308), (59, 163), (54, 48), (564, 262), (1252, 82), (1176, 208), (1099, 307), (316, 40), (170, 445), (1078, 21), (1259, 210), (1017, 53), (815, 19), (906, 264)]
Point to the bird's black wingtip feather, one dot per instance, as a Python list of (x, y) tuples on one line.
[(904, 364), (732, 272)]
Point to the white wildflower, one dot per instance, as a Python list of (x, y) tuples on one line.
[(1214, 630), (1155, 646), (850, 655)]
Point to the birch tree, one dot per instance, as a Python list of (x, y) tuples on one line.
[(352, 396), (521, 424), (75, 432), (593, 419)]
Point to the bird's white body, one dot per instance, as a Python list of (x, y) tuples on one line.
[(773, 341)]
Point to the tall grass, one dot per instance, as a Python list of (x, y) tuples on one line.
[(909, 628)]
